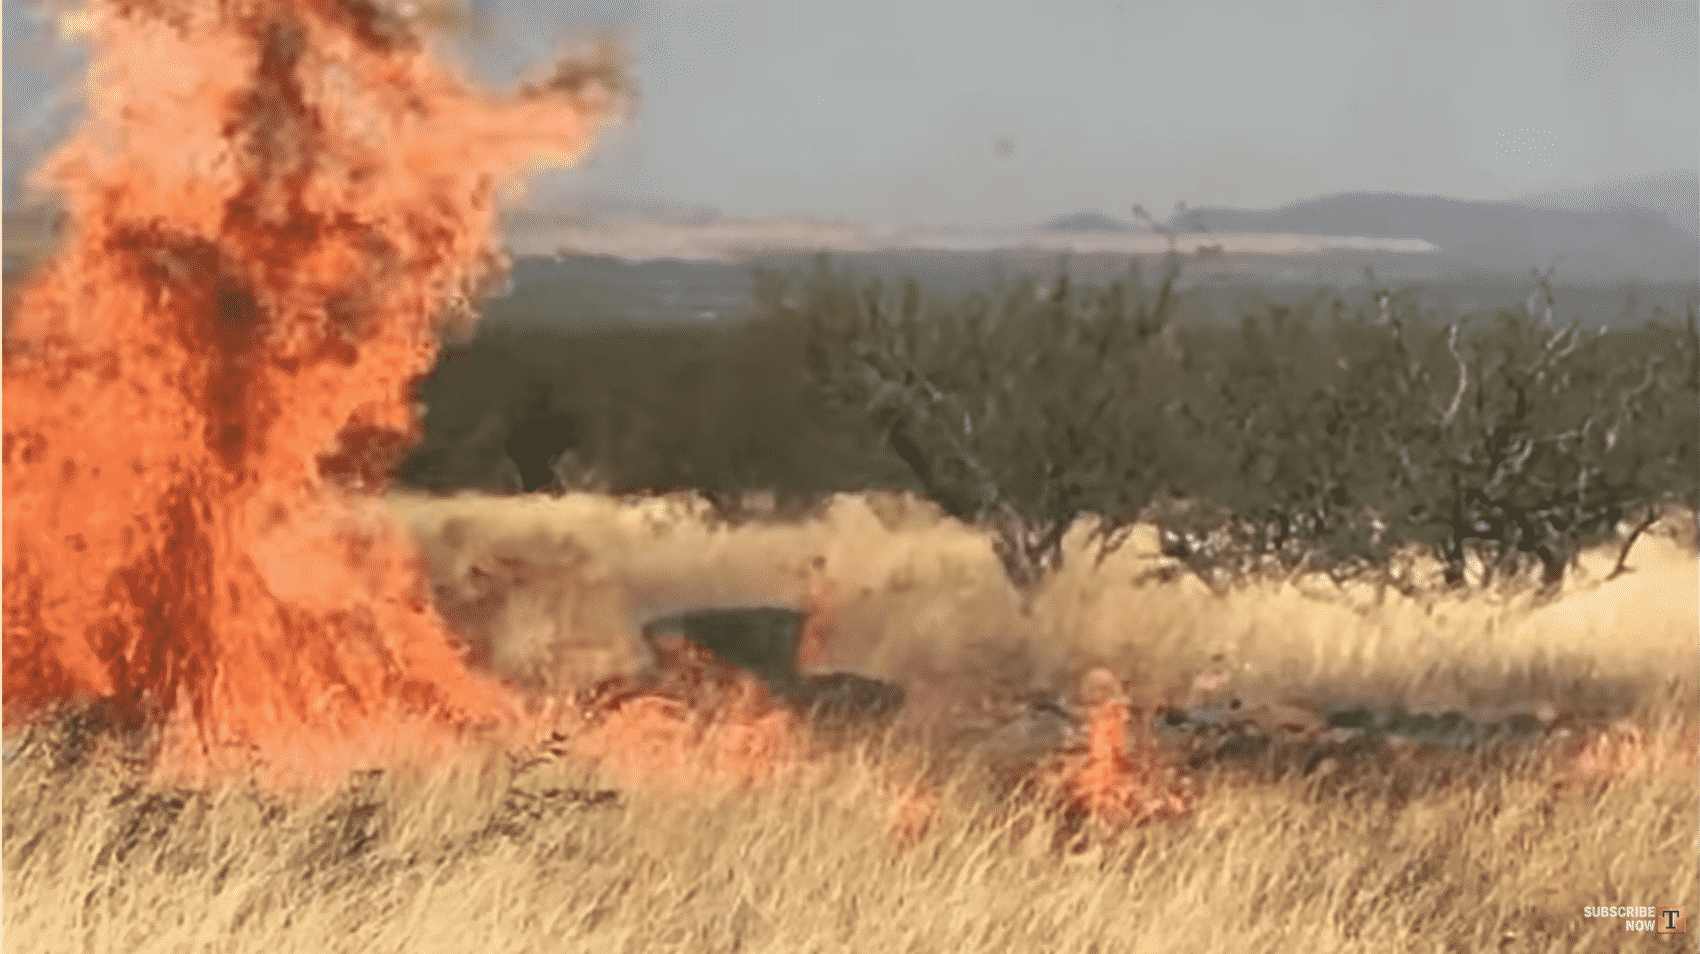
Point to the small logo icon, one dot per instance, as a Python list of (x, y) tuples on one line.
[(1671, 921)]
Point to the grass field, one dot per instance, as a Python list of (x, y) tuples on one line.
[(1499, 851)]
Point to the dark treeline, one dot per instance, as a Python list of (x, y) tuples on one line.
[(1327, 437), (721, 408)]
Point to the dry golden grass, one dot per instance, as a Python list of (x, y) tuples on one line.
[(920, 599), (892, 845)]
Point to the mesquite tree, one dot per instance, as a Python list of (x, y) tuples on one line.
[(1021, 413), (1542, 440)]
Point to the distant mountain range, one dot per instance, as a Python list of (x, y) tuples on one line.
[(1086, 222), (1671, 197), (1638, 227), (1673, 194), (1637, 230)]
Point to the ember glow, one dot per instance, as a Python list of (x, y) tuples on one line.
[(275, 208)]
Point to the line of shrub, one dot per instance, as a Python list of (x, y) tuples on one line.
[(1345, 441)]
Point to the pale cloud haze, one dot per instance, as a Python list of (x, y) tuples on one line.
[(912, 113)]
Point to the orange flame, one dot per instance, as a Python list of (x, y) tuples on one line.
[(1618, 752), (704, 727), (262, 241), (1115, 783), (1624, 750), (913, 810), (821, 602)]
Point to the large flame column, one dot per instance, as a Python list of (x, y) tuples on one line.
[(274, 207)]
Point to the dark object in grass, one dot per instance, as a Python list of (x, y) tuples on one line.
[(1242, 746), (763, 642), (1357, 717)]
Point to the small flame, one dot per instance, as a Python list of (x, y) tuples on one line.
[(913, 811), (817, 618), (704, 727), (1115, 782), (1620, 751)]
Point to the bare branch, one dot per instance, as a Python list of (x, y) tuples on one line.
[(1463, 377)]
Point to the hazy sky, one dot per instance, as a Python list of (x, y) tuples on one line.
[(929, 112)]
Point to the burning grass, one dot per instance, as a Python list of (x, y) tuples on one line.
[(702, 728), (557, 854), (1120, 779), (697, 813)]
